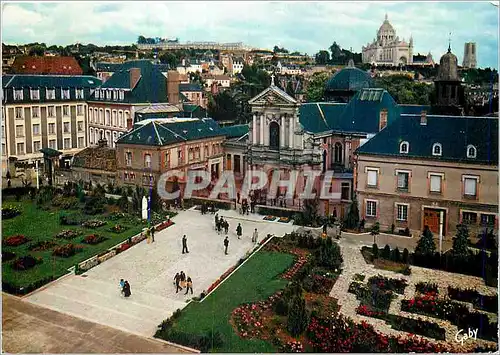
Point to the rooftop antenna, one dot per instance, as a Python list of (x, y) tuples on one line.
[(449, 43)]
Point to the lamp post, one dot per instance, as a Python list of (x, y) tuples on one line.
[(441, 218)]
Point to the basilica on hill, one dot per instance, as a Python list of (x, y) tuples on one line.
[(387, 48)]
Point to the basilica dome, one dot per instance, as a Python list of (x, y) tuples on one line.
[(386, 27)]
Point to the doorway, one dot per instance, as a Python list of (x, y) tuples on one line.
[(431, 219)]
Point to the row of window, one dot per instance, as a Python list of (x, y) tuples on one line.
[(470, 182), (110, 94), (193, 155), (51, 112), (50, 94), (52, 143), (95, 134), (109, 118), (51, 128), (437, 149)]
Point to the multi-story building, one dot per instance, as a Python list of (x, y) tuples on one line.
[(426, 169), (158, 145), (44, 111), (133, 86), (194, 94)]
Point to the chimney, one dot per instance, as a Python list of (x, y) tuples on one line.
[(173, 81), (423, 118), (135, 75)]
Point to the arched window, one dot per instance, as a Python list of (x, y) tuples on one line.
[(337, 153), (147, 160), (437, 149), (404, 147), (274, 135), (91, 137), (471, 151)]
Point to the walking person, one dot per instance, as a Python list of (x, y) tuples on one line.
[(238, 197), (255, 236), (122, 283), (126, 289), (226, 244), (226, 226), (153, 234), (177, 281), (183, 279), (189, 285), (239, 231), (184, 245), (216, 220)]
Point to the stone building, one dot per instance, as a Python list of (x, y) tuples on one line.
[(470, 58), (44, 111), (424, 167), (387, 48)]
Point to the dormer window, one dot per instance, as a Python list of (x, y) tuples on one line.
[(108, 94), (115, 95), (437, 149), (79, 93), (404, 147), (65, 94), (97, 94), (51, 94), (122, 95), (471, 151), (18, 94), (35, 94)]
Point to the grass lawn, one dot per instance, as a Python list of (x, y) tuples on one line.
[(39, 225), (255, 280)]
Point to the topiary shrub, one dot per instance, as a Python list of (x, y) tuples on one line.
[(298, 319), (386, 253), (396, 255), (375, 251), (406, 256)]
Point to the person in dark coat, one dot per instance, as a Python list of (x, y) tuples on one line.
[(183, 279), (226, 244), (334, 214), (126, 289), (237, 197), (189, 285), (239, 231), (152, 230), (184, 245), (226, 226), (177, 280)]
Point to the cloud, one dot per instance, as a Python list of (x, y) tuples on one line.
[(303, 26)]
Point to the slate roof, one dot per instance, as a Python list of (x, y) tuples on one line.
[(452, 132), (189, 87), (107, 67), (161, 134), (192, 110), (43, 82), (151, 87), (360, 115), (99, 158), (414, 109), (46, 65), (235, 131), (349, 79)]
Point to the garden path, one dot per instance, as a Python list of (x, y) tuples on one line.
[(150, 269), (354, 263)]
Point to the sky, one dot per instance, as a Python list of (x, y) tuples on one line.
[(306, 27)]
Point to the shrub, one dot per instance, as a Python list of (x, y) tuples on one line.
[(297, 320), (67, 250), (94, 205), (69, 220), (93, 239), (461, 241), (65, 202), (25, 262), (328, 254), (352, 219), (93, 223), (426, 287), (375, 251), (392, 228), (16, 240), (396, 256), (9, 212), (426, 244), (42, 245), (386, 253), (68, 234), (7, 256), (205, 343), (406, 254), (407, 232)]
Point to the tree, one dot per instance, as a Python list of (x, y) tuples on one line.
[(298, 319), (141, 39), (386, 252), (461, 241), (277, 49), (310, 212), (328, 254), (315, 89), (37, 50), (375, 251), (322, 57), (222, 107), (352, 219), (336, 52), (169, 58), (406, 255), (426, 244), (405, 90)]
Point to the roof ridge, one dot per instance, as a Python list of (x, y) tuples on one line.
[(157, 134), (174, 133), (322, 115)]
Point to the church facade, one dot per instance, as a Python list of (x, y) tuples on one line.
[(388, 48)]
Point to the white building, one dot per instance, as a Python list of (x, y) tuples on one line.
[(387, 48)]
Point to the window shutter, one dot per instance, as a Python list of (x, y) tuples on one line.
[(435, 183), (372, 178)]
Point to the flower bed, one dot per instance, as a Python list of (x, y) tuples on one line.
[(426, 287), (384, 283), (93, 239), (319, 284), (486, 303), (93, 223), (114, 216), (299, 263), (123, 247), (25, 262), (42, 245), (247, 318), (269, 218), (15, 240), (454, 312), (284, 219), (293, 346), (220, 279), (118, 228), (375, 296), (67, 250), (68, 234), (163, 225), (9, 212), (7, 256)]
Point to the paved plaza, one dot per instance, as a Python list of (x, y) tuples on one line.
[(150, 268)]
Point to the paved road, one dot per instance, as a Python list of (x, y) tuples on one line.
[(28, 328), (150, 269)]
